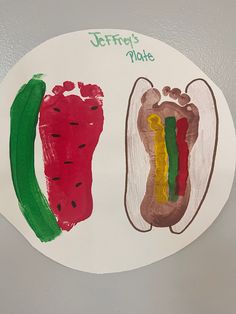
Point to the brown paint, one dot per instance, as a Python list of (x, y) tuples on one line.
[(175, 93), (181, 202), (169, 213), (166, 90), (183, 99)]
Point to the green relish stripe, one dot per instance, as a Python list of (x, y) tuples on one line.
[(172, 150)]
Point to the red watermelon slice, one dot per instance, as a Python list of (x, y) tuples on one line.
[(70, 126)]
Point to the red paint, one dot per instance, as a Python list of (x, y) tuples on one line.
[(68, 86), (181, 179), (58, 89), (90, 90), (69, 128)]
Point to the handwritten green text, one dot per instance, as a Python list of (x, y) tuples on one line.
[(140, 56), (101, 40)]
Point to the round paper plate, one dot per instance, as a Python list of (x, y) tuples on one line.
[(117, 152)]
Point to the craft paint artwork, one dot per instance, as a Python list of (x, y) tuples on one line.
[(115, 157), (33, 204), (65, 124), (70, 127), (169, 127)]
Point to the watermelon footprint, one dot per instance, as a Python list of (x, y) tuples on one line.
[(70, 126)]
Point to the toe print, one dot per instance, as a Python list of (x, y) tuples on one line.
[(171, 126), (70, 128)]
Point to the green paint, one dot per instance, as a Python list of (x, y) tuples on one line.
[(172, 149), (140, 56), (101, 40), (32, 202)]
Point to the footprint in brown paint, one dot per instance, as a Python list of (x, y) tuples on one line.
[(171, 140), (168, 130)]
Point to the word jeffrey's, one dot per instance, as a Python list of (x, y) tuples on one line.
[(140, 56), (100, 40)]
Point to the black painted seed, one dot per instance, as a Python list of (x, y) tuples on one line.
[(78, 184), (56, 178), (82, 145), (73, 203), (94, 107), (68, 162), (59, 207), (56, 109), (73, 123), (56, 135)]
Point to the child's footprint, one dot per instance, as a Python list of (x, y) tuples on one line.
[(168, 131), (70, 126), (180, 140)]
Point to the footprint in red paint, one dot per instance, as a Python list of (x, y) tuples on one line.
[(70, 127)]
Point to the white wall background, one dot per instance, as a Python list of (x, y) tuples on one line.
[(199, 279)]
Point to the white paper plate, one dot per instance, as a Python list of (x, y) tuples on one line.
[(106, 242)]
